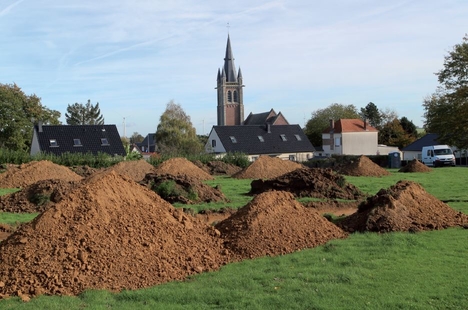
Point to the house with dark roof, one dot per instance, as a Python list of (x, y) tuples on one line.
[(413, 150), (147, 147), (350, 137), (266, 117), (59, 139), (283, 141)]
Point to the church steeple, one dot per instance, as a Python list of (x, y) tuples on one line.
[(230, 94)]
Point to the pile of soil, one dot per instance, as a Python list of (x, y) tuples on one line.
[(274, 223), (26, 174), (217, 167), (362, 166), (36, 197), (5, 231), (310, 182), (135, 169), (182, 167), (405, 206), (266, 167), (182, 189), (84, 171), (337, 208), (108, 233), (415, 166)]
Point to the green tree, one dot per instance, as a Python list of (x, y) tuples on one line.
[(392, 133), (409, 127), (372, 114), (84, 114), (18, 112), (175, 133), (136, 138), (446, 110), (320, 120)]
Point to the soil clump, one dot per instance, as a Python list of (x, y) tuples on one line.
[(415, 166), (135, 169), (361, 166), (405, 206), (337, 208), (108, 233), (29, 173), (217, 167), (182, 189), (274, 223), (266, 167), (310, 182), (182, 167), (84, 171)]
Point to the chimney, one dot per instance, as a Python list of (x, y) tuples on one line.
[(332, 125), (39, 126), (268, 125), (365, 124)]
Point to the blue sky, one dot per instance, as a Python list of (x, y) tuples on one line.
[(296, 56)]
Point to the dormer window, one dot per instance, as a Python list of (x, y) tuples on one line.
[(104, 142), (233, 139), (53, 143), (283, 137), (298, 137), (77, 142), (260, 138)]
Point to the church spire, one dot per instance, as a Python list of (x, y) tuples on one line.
[(229, 67)]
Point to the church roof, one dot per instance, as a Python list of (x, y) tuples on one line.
[(229, 67)]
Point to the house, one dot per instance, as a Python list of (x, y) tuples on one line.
[(350, 137), (283, 141), (413, 150), (59, 139), (266, 117), (147, 147)]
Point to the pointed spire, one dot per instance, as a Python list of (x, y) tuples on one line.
[(239, 74), (218, 78), (229, 67)]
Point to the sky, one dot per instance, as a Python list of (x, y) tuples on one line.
[(296, 56)]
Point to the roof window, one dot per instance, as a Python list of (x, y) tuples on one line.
[(283, 137), (77, 142), (233, 139), (298, 137), (53, 143), (104, 142), (261, 139)]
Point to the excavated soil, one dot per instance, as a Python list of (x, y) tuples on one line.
[(266, 167), (310, 182), (182, 167), (5, 231), (26, 174), (405, 206), (218, 167), (362, 166), (274, 223), (337, 208), (37, 197), (135, 169), (84, 171), (108, 233), (184, 189), (415, 166)]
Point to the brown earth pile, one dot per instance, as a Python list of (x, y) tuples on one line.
[(310, 182), (405, 206), (109, 233), (183, 189), (36, 197), (84, 171), (415, 166), (362, 166), (274, 223), (26, 174), (337, 208), (266, 167), (221, 168), (135, 169), (182, 167), (5, 231)]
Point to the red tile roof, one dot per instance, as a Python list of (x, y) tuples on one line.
[(351, 125)]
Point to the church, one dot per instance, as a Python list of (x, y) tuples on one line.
[(267, 133)]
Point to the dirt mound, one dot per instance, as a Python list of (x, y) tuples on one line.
[(274, 223), (415, 166), (310, 182), (5, 231), (182, 189), (182, 167), (26, 174), (36, 197), (222, 168), (266, 167), (135, 169), (362, 166), (84, 171), (405, 206), (337, 208), (108, 233)]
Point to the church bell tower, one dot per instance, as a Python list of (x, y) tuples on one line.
[(230, 95)]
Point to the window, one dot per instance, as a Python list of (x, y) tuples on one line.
[(283, 137), (298, 137), (213, 143), (104, 141), (53, 143), (235, 96), (292, 157), (229, 96), (77, 142), (261, 139), (337, 141), (233, 139)]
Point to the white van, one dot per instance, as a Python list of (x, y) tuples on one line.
[(437, 155)]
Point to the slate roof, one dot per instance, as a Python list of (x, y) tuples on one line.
[(350, 125), (262, 118), (90, 137), (247, 139), (416, 146), (148, 142)]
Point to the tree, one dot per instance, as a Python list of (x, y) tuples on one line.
[(136, 138), (392, 133), (409, 127), (320, 120), (175, 133), (84, 114), (446, 110), (18, 112), (372, 114)]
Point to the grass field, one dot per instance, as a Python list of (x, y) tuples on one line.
[(426, 270)]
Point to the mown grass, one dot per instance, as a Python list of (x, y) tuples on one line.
[(426, 270)]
